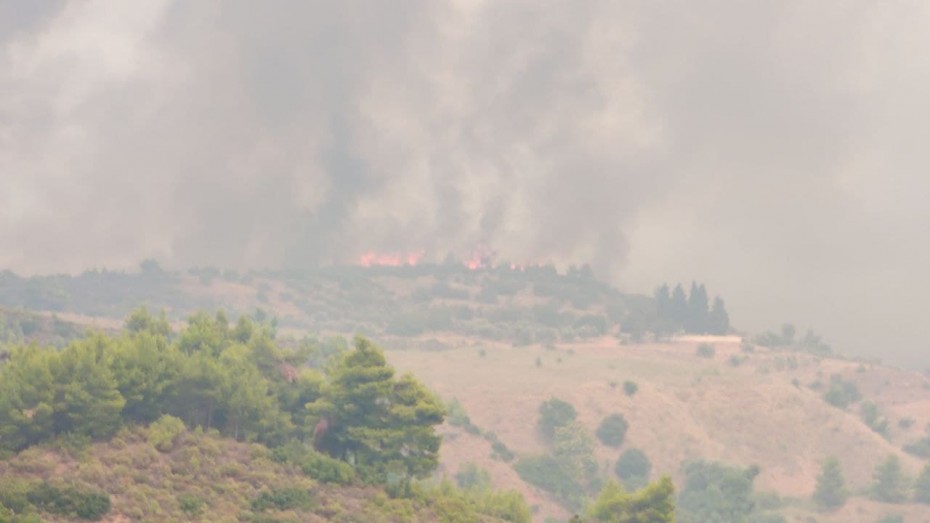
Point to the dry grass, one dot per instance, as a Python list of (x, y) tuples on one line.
[(760, 411)]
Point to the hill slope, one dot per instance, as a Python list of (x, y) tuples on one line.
[(761, 408)]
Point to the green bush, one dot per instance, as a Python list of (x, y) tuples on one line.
[(706, 350), (633, 468), (456, 415), (841, 392), (919, 448), (554, 414), (922, 486), (314, 464), (14, 494), (190, 504), (872, 417), (164, 432), (889, 484), (70, 501), (630, 388), (716, 492), (612, 430), (830, 492), (284, 498), (470, 475), (547, 473)]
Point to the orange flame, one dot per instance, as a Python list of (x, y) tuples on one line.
[(374, 259), (480, 258)]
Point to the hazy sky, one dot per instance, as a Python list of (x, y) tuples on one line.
[(775, 150)]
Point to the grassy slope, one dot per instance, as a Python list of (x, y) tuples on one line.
[(762, 411), (145, 484)]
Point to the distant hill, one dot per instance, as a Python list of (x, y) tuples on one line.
[(520, 305)]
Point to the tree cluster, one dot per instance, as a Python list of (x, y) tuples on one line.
[(680, 312), (233, 378)]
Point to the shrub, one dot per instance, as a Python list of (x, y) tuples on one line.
[(922, 486), (190, 504), (630, 388), (841, 392), (919, 448), (612, 430), (14, 494), (716, 492), (872, 417), (890, 485), (706, 350), (164, 432), (553, 414), (831, 491), (456, 415), (470, 475), (315, 464), (547, 473), (285, 498), (70, 501), (502, 452), (633, 468)]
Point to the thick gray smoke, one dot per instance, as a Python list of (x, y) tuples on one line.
[(772, 149)]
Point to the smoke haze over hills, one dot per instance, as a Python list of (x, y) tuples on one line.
[(771, 149)]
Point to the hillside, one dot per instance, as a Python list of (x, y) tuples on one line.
[(523, 305), (762, 408), (202, 477), (497, 342)]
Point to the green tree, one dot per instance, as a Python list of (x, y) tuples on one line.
[(27, 396), (889, 484), (574, 450), (830, 492), (87, 399), (678, 309), (653, 504), (633, 468), (553, 414), (922, 486), (697, 319), (146, 368), (250, 411), (718, 320), (716, 493), (141, 320), (612, 430), (663, 301), (384, 425)]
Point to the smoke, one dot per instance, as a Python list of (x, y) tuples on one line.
[(772, 149)]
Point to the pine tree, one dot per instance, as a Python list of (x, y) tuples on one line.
[(890, 485), (663, 302), (678, 310), (697, 319), (831, 490), (718, 321), (386, 426), (653, 504), (87, 398)]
